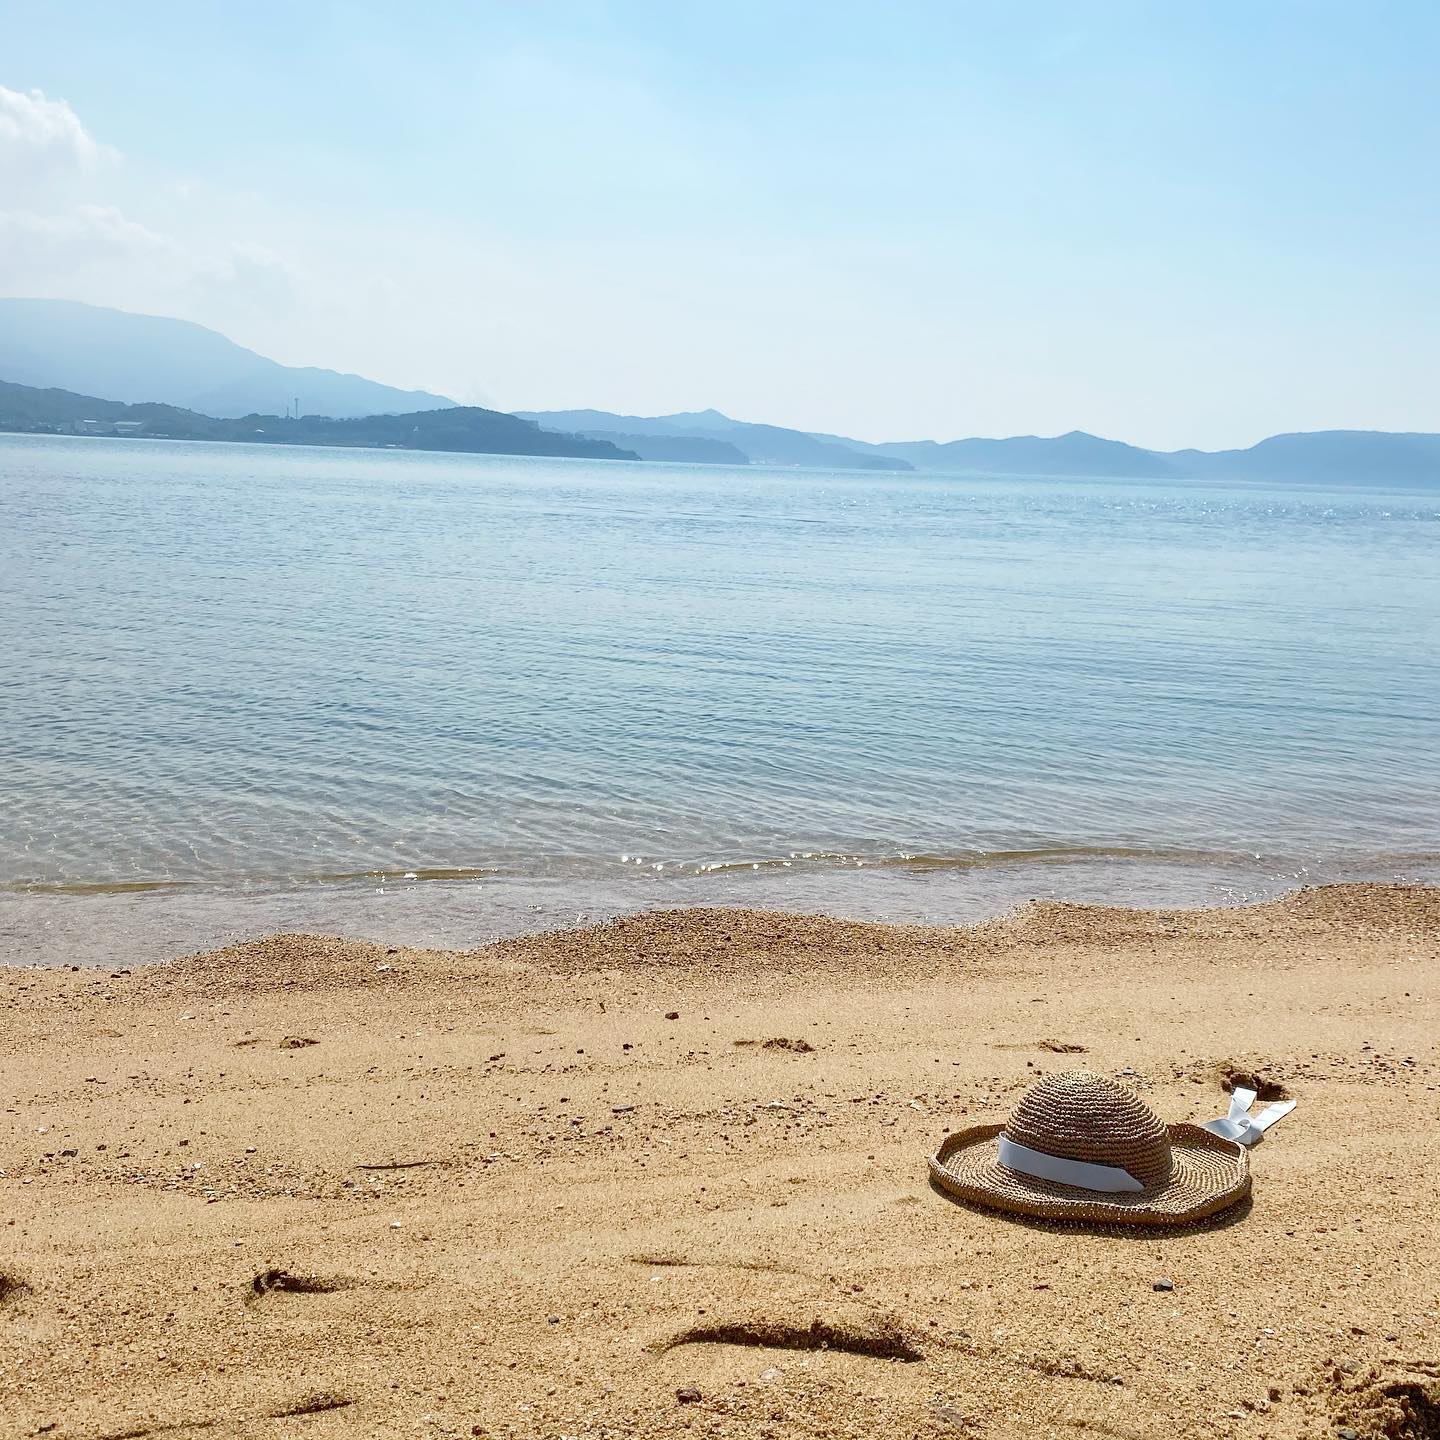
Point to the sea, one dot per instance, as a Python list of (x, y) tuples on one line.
[(442, 698)]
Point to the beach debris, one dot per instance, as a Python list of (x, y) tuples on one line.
[(397, 1164), (1165, 1285), (382, 967), (688, 1395), (672, 1014)]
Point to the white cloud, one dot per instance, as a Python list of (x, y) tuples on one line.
[(41, 138), (255, 270), (50, 243), (40, 245), (89, 246)]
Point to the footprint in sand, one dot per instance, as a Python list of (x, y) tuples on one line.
[(1406, 1409), (313, 1404), (269, 1282), (872, 1335), (1238, 1077)]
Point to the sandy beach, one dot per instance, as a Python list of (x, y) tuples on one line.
[(668, 1176)]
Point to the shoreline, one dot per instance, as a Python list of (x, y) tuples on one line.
[(134, 925), (560, 1183)]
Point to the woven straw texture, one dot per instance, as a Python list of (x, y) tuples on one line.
[(1188, 1173)]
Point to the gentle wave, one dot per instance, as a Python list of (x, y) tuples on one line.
[(798, 861), (259, 880), (975, 859)]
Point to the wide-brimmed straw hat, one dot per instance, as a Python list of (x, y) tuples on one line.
[(1081, 1147)]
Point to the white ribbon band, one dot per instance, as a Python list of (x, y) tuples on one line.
[(1109, 1179), (1244, 1128)]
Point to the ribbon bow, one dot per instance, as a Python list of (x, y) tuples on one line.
[(1242, 1127)]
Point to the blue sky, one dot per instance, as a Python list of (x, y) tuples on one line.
[(1173, 224)]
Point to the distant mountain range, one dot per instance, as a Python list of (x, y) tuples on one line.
[(1074, 454), (757, 444), (186, 381), (1341, 456), (137, 358), (460, 428)]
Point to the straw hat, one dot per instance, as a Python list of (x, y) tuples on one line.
[(1081, 1147)]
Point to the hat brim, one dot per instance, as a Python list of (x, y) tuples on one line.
[(1209, 1175)]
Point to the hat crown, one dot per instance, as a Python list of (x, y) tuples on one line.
[(1086, 1117)]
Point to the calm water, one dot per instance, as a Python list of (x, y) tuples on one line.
[(242, 670)]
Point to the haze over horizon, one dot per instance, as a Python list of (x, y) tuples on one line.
[(1176, 228)]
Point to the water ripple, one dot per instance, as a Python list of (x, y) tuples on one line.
[(229, 666)]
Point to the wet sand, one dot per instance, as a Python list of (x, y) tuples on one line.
[(668, 1175)]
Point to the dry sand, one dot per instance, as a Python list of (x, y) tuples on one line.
[(612, 1187)]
